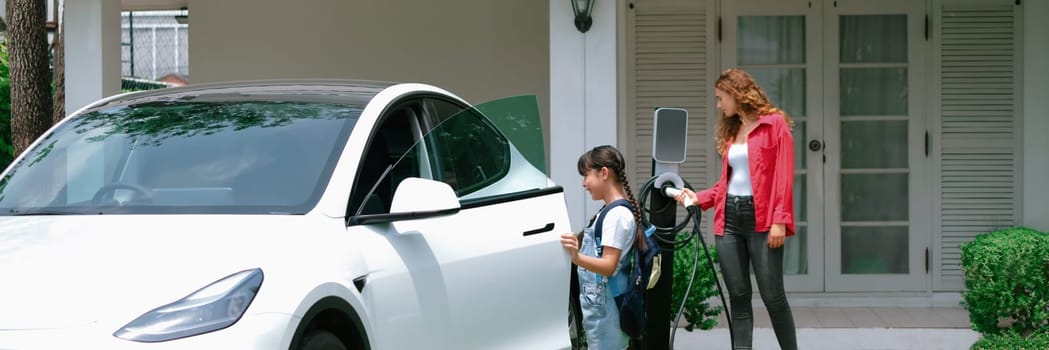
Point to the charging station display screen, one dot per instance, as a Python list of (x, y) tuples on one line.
[(671, 129)]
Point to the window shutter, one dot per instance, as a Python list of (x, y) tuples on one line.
[(669, 54), (979, 164)]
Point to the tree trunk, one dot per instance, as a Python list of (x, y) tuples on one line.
[(31, 109), (60, 68)]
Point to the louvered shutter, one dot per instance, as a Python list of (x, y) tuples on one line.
[(979, 167), (669, 63)]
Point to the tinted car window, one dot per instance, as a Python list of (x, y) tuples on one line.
[(183, 157), (389, 143), (470, 153)]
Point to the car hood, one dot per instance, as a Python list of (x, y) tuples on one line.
[(63, 271)]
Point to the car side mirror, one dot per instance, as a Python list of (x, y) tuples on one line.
[(417, 195), (415, 198)]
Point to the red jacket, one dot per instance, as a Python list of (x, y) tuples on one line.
[(770, 152)]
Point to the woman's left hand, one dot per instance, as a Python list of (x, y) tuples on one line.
[(777, 234)]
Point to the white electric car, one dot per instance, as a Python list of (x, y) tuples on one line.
[(285, 215)]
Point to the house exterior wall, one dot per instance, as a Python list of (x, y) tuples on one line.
[(584, 88), (1035, 115), (1032, 110), (92, 51), (478, 49)]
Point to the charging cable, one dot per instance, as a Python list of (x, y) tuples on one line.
[(670, 234), (696, 218), (670, 185)]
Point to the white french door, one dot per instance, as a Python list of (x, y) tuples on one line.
[(850, 74), (878, 226), (778, 43)]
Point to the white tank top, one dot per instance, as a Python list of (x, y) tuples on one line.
[(739, 183)]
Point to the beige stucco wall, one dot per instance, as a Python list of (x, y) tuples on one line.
[(478, 49)]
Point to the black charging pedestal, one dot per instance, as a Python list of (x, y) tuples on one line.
[(657, 302), (669, 134)]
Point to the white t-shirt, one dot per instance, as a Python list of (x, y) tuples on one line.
[(739, 183), (618, 230)]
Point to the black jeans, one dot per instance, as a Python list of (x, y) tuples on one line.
[(740, 248)]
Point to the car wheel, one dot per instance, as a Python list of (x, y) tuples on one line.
[(319, 339)]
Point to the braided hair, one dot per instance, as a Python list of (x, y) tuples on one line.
[(609, 157)]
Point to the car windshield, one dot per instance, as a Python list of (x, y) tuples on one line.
[(183, 157)]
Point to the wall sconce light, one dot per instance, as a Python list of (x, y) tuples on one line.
[(183, 16), (582, 10)]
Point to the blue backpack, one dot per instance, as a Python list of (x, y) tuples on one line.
[(644, 263)]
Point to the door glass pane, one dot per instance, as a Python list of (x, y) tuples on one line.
[(776, 44), (771, 40), (801, 144), (868, 250), (519, 119), (477, 156), (873, 91), (785, 88), (472, 154), (874, 144), (874, 38), (794, 262), (874, 197), (875, 201), (801, 213)]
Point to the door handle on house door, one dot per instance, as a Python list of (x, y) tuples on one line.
[(815, 145)]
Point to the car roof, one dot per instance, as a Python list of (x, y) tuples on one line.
[(313, 90)]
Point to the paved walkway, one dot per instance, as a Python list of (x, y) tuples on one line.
[(869, 317), (827, 327), (839, 339)]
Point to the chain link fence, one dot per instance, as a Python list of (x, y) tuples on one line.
[(154, 49)]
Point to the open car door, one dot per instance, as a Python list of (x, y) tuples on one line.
[(478, 252)]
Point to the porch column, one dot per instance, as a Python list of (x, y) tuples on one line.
[(583, 96), (92, 51), (1035, 115)]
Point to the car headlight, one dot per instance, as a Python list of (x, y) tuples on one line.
[(216, 306)]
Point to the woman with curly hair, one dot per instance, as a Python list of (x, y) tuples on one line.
[(753, 203)]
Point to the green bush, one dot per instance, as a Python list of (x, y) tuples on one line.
[(1007, 277), (7, 149), (1013, 341), (697, 313)]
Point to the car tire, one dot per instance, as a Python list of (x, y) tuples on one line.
[(319, 339)]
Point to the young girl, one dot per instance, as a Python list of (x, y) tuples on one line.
[(604, 176), (753, 203)]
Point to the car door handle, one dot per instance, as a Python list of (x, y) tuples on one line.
[(549, 227)]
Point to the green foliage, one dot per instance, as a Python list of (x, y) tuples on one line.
[(152, 123), (7, 149), (1012, 341), (1007, 277), (697, 313)]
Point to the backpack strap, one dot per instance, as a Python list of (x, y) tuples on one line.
[(601, 220)]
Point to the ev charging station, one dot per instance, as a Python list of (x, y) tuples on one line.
[(668, 152), (670, 130)]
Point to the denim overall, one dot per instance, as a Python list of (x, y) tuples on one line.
[(596, 299)]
